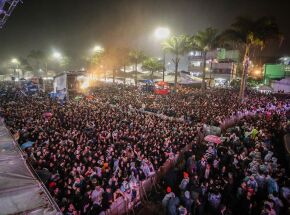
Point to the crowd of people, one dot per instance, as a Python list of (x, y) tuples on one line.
[(93, 152), (240, 176), (211, 107), (102, 146)]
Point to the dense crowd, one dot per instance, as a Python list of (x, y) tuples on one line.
[(241, 176), (93, 152), (192, 105), (100, 147)]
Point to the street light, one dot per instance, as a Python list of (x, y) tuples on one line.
[(96, 53), (57, 55), (16, 63), (98, 49), (162, 33)]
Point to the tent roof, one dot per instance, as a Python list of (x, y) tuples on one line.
[(20, 191)]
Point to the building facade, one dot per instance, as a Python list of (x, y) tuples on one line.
[(221, 65), (278, 75)]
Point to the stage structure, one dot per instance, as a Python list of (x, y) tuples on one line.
[(6, 9), (70, 84)]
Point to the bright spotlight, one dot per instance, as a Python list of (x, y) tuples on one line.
[(14, 61), (257, 72), (85, 85), (98, 49), (57, 55), (162, 33)]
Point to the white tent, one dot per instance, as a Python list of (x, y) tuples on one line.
[(20, 191)]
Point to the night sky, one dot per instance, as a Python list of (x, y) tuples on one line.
[(74, 26)]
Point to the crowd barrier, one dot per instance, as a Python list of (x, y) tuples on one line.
[(123, 206), (238, 116), (162, 116)]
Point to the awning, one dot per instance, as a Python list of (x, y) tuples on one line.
[(20, 191)]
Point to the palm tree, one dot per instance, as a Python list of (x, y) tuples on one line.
[(113, 59), (152, 64), (251, 34), (178, 46), (95, 61), (205, 41), (136, 57), (38, 56), (125, 60), (25, 66)]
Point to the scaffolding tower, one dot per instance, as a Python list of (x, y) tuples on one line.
[(6, 9)]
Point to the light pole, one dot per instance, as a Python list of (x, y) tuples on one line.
[(56, 55), (162, 33), (210, 72), (16, 63), (97, 50)]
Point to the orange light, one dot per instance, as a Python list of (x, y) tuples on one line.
[(257, 72)]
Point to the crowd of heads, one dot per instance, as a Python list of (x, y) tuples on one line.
[(101, 147), (192, 105), (242, 175)]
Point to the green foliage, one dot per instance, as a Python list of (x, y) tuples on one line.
[(152, 64), (177, 45), (36, 54), (254, 83), (257, 32), (251, 34), (37, 58), (206, 40), (250, 83), (136, 56)]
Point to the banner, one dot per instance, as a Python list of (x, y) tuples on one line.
[(59, 83)]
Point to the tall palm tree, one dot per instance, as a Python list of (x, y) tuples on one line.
[(125, 60), (38, 57), (25, 66), (251, 34), (96, 61), (205, 41), (136, 57), (152, 64), (178, 46), (108, 60)]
